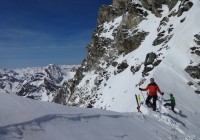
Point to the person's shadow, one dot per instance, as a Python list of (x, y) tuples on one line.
[(181, 114)]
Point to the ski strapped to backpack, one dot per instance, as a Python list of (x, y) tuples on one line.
[(138, 106)]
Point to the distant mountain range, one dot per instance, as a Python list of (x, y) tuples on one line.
[(39, 83)]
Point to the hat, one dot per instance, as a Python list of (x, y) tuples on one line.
[(152, 79)]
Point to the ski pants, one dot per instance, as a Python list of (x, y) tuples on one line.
[(154, 101), (169, 104)]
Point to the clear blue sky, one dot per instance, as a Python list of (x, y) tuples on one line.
[(41, 32)]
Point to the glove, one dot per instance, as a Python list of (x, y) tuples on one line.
[(162, 93), (140, 88)]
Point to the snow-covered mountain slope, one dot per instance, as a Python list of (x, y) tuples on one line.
[(27, 119), (127, 31), (39, 83)]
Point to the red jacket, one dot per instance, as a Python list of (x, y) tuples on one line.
[(153, 89)]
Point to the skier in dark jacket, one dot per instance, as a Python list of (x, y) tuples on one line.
[(153, 89), (172, 102)]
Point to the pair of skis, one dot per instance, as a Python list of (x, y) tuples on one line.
[(138, 100), (138, 105)]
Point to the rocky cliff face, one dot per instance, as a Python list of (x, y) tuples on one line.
[(125, 30)]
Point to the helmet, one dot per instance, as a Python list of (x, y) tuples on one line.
[(152, 79)]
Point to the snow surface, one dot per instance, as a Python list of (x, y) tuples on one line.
[(27, 119)]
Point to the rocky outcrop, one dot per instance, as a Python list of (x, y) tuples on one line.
[(195, 50), (126, 43), (63, 94), (183, 7), (193, 71), (108, 13), (122, 66), (156, 5), (135, 69)]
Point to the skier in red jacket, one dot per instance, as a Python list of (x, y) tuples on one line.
[(153, 89)]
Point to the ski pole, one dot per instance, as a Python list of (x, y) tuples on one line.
[(142, 95)]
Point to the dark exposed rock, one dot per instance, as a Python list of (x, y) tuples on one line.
[(1, 75), (127, 44), (171, 4), (121, 4), (156, 63), (98, 81), (173, 13), (193, 71), (197, 36), (136, 9), (135, 69), (27, 89), (121, 67), (185, 6), (197, 52), (169, 30), (197, 91), (61, 96), (2, 85), (190, 83), (164, 21), (182, 20), (90, 105), (156, 5), (198, 42), (97, 51), (147, 69), (159, 40), (31, 97), (108, 13), (114, 64), (193, 48), (150, 58), (48, 84)]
